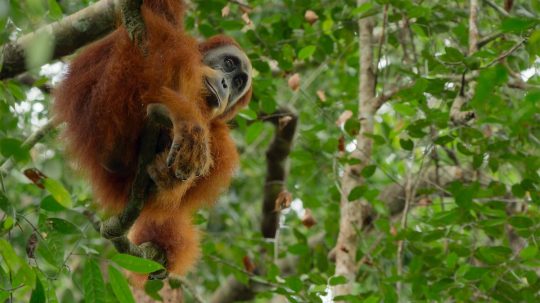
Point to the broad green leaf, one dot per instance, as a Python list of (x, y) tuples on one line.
[(120, 286), (93, 284), (55, 11), (517, 24), (357, 192), (248, 114), (254, 131), (306, 52), (63, 226), (50, 204), (38, 294), (10, 147), (494, 255), (520, 222), (16, 264), (529, 252), (369, 170), (136, 264), (406, 144), (337, 280), (58, 191), (152, 288)]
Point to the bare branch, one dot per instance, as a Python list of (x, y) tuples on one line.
[(499, 9), (68, 34), (487, 39), (352, 212), (474, 35), (380, 100), (31, 141), (507, 53)]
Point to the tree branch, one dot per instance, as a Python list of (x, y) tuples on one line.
[(276, 156), (116, 227), (34, 138), (352, 212), (69, 34), (497, 8)]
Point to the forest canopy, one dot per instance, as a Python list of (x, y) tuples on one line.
[(390, 153)]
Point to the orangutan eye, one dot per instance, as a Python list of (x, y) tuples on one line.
[(229, 64)]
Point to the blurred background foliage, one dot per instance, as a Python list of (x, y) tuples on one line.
[(472, 237)]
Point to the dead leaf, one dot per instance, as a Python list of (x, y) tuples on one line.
[(226, 10), (341, 143), (311, 16), (294, 82), (36, 176), (246, 19), (346, 115), (321, 95), (249, 266), (308, 220)]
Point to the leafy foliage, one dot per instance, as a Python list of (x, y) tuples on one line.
[(473, 224)]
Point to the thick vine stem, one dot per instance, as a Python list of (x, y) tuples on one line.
[(116, 227)]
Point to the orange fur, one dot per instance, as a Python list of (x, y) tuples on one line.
[(103, 101)]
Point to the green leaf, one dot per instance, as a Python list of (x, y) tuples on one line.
[(248, 114), (493, 255), (254, 131), (528, 253), (369, 170), (58, 191), (357, 192), (452, 55), (63, 226), (337, 280), (120, 286), (16, 264), (152, 288), (6, 206), (136, 264), (16, 90), (306, 52), (38, 294), (517, 25), (40, 50), (294, 283), (10, 147), (406, 144), (93, 284), (55, 11), (50, 204), (520, 222)]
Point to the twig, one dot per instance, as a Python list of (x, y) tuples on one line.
[(34, 138), (499, 9), (487, 39), (381, 42), (473, 27), (116, 227), (507, 53), (383, 98), (189, 287), (241, 4), (67, 35)]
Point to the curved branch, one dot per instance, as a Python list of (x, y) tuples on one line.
[(69, 34)]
